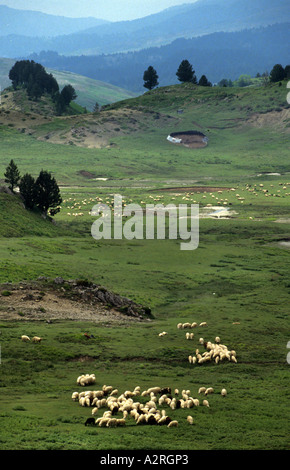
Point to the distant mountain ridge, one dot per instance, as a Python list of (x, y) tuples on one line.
[(184, 21), (30, 23), (217, 55)]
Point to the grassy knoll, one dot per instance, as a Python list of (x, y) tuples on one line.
[(237, 280), (89, 91)]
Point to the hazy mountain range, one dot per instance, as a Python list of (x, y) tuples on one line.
[(217, 55), (36, 24), (18, 32), (221, 38)]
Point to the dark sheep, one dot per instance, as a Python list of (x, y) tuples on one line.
[(165, 390), (90, 422)]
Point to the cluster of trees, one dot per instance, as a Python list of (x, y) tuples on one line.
[(41, 193), (185, 73), (279, 73), (34, 78)]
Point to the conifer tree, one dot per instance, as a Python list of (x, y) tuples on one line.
[(12, 175)]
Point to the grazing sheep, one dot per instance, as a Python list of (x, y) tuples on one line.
[(209, 390), (194, 325), (154, 390), (203, 323), (90, 422), (36, 339), (223, 392), (111, 423), (179, 326), (120, 422), (95, 411), (189, 419), (25, 338), (75, 396), (163, 333), (205, 403), (86, 379), (217, 339), (201, 390), (186, 325), (172, 423)]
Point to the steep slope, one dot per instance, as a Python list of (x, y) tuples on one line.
[(16, 221)]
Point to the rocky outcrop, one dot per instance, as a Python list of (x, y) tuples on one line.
[(91, 293)]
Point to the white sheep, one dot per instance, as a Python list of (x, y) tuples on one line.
[(223, 392), (189, 419), (205, 403), (75, 396), (172, 423), (36, 339), (25, 338), (209, 390)]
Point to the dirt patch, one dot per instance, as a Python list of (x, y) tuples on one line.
[(87, 174), (190, 139), (66, 300), (275, 118)]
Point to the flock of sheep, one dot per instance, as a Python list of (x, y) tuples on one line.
[(145, 412), (35, 339), (214, 352)]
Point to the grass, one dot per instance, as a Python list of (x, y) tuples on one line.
[(237, 279)]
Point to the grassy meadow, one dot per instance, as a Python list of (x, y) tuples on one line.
[(237, 280)]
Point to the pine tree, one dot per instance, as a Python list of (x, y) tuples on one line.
[(47, 194), (150, 78), (203, 81), (185, 73), (12, 175), (28, 190), (277, 73)]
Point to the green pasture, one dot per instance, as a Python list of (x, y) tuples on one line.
[(237, 280)]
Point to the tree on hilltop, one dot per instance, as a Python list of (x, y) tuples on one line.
[(150, 78), (62, 99), (185, 72), (203, 81), (12, 175), (277, 73)]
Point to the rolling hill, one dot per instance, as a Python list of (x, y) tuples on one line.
[(89, 91)]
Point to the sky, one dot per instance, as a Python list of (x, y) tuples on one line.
[(112, 10)]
